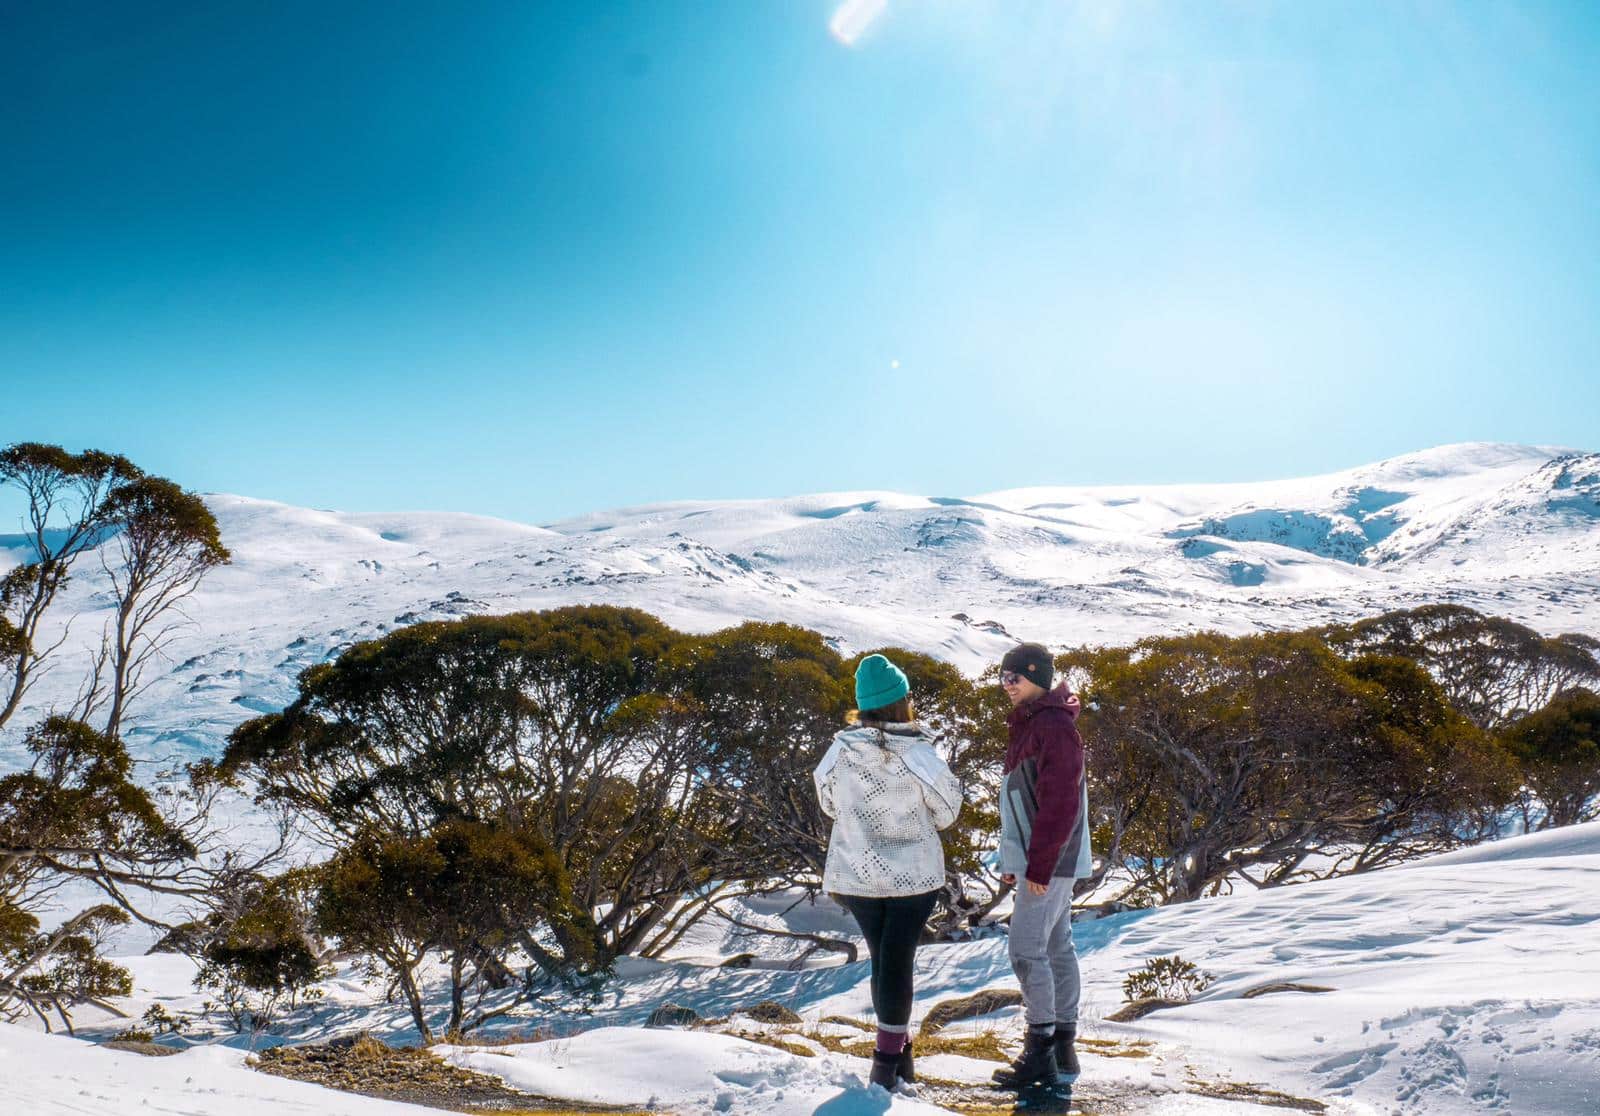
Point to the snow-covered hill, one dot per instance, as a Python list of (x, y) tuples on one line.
[(1511, 530), (1467, 983)]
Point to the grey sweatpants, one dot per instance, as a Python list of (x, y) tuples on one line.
[(1043, 955)]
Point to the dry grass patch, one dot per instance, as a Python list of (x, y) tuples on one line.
[(846, 1021), (986, 1002), (779, 1041), (1112, 1048), (1138, 1009), (515, 1038), (1255, 1094), (855, 1047), (139, 1046), (984, 1046), (970, 1107), (1280, 986)]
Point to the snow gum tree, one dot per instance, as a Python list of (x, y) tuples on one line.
[(66, 513), (669, 774), (1214, 758), (546, 723), (1492, 669), (468, 891), (1559, 748), (164, 540), (76, 813), (765, 700), (257, 949)]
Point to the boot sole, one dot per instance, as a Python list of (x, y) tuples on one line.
[(1032, 1083)]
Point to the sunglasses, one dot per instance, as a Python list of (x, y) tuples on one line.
[(1009, 678)]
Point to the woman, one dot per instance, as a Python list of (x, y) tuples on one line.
[(889, 794)]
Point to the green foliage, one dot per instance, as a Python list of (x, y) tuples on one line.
[(160, 1021), (74, 813), (1167, 978), (1559, 749), (156, 1022), (78, 802), (1218, 757), (17, 585), (1491, 669), (158, 514), (261, 959), (768, 699), (467, 890), (65, 967), (23, 461)]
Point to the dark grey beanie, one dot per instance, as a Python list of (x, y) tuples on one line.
[(1033, 662)]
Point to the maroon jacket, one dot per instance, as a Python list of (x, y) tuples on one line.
[(1044, 763)]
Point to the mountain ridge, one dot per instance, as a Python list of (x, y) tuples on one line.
[(1511, 530)]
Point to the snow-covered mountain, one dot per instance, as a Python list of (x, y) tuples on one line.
[(1507, 529)]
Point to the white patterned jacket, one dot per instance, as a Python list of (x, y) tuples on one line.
[(888, 793)]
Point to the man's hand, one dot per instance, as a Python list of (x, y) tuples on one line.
[(1033, 888)]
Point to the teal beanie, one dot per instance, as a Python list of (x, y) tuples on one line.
[(879, 682)]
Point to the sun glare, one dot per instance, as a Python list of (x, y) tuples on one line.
[(852, 19)]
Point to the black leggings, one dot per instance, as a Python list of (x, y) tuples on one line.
[(892, 928)]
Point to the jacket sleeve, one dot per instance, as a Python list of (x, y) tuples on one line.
[(824, 778), (1059, 790), (941, 790)]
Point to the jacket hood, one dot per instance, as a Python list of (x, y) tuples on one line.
[(903, 733), (1058, 698)]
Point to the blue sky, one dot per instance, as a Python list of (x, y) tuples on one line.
[(533, 259)]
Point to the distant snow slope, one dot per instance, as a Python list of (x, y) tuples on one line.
[(1512, 530)]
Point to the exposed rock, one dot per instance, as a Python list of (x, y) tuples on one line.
[(673, 1015), (770, 1011)]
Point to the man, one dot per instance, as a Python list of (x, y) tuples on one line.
[(1044, 848)]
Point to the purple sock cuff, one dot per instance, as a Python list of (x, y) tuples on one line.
[(891, 1042)]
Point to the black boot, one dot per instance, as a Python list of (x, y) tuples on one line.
[(906, 1070), (1036, 1066), (1066, 1054), (883, 1069)]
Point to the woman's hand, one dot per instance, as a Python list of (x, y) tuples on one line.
[(1007, 878)]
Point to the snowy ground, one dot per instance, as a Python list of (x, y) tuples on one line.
[(1462, 984)]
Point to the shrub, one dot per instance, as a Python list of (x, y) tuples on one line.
[(262, 961), (474, 893), (1166, 978)]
